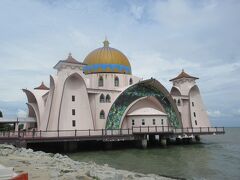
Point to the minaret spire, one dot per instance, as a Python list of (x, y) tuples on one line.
[(106, 42)]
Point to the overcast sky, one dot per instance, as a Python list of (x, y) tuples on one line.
[(160, 38)]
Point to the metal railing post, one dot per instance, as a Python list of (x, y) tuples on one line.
[(140, 129), (102, 132), (200, 129), (89, 132), (58, 132), (148, 129), (40, 133), (128, 131), (75, 132)]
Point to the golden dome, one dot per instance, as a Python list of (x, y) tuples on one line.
[(106, 59)]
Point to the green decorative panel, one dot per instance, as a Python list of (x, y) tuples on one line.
[(133, 93)]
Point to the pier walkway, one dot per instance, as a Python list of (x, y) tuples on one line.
[(135, 133)]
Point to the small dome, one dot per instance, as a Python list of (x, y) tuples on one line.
[(106, 60)]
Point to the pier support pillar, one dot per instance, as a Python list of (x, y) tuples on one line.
[(197, 138), (108, 145), (70, 146), (152, 138), (144, 143), (163, 142)]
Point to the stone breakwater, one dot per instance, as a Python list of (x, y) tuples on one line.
[(41, 165)]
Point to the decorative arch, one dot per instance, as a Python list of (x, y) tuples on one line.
[(175, 91), (30, 96), (108, 98), (76, 80), (32, 105), (50, 97), (116, 81), (102, 98), (151, 98), (102, 114), (130, 81), (179, 102), (194, 90), (145, 88), (31, 110), (100, 81)]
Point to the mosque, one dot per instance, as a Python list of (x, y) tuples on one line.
[(102, 93)]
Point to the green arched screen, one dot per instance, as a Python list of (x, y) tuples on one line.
[(133, 93)]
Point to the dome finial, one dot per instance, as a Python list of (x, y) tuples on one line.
[(69, 54), (106, 42)]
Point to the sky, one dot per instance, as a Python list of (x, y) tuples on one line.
[(160, 38)]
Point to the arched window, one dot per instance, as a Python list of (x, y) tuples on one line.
[(100, 81), (1, 115), (196, 122), (179, 102), (194, 114), (130, 81), (154, 122), (133, 122), (108, 98), (102, 114), (116, 81), (102, 98), (175, 101)]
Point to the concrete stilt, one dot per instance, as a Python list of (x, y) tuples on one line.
[(163, 142), (197, 138), (144, 143), (152, 138), (70, 146), (65, 146), (108, 145)]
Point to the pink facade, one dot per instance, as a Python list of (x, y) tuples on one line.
[(78, 99)]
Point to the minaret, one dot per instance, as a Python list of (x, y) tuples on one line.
[(186, 94)]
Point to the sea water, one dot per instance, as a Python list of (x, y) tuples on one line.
[(217, 157)]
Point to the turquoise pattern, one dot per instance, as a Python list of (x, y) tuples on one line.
[(133, 93), (103, 67)]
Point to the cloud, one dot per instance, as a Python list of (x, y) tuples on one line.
[(137, 11), (214, 113), (21, 113), (159, 38)]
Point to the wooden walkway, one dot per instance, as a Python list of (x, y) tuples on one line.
[(135, 133)]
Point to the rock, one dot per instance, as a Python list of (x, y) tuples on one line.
[(42, 165)]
